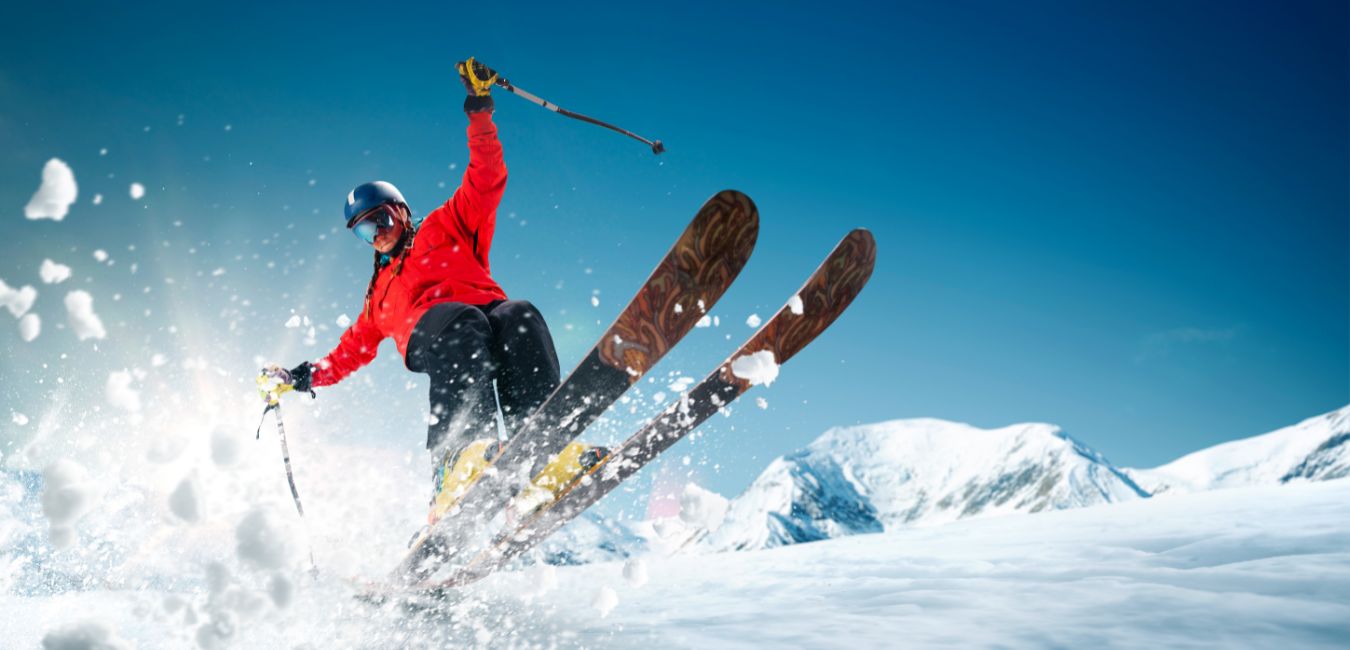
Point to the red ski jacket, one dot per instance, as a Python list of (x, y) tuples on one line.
[(448, 262)]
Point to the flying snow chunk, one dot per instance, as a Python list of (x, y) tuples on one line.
[(53, 198), (183, 501), (98, 198), (100, 255), (795, 305), (281, 590), (18, 418), (120, 394), (706, 321), (261, 542), (17, 301), (83, 636), (344, 320), (53, 273), (702, 508), (635, 572), (293, 322), (605, 601), (762, 403), (137, 191), (29, 327), (157, 360), (67, 495), (753, 320), (758, 368), (80, 310), (218, 272), (595, 301)]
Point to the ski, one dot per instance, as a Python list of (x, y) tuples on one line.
[(694, 274), (828, 292)]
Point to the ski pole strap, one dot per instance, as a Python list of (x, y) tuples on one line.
[(266, 409), (656, 145)]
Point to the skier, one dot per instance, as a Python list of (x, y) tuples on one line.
[(432, 291)]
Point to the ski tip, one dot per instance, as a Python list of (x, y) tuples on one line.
[(658, 147)]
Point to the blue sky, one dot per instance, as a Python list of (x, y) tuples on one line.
[(1127, 220)]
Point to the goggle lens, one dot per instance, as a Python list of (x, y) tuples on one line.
[(369, 227)]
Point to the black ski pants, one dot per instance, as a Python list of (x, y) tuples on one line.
[(464, 348)]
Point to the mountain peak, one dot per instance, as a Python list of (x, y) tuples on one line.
[(921, 471)]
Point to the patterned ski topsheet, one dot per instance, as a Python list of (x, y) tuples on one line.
[(826, 295), (694, 274)]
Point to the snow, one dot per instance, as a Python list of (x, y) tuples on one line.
[(635, 572), (100, 255), (705, 321), (702, 508), (924, 471), (262, 540), (80, 311), (184, 502), (758, 368), (87, 635), (606, 599), (1243, 567), (753, 320), (1317, 448), (30, 326), (98, 199), (68, 494), (17, 301), (137, 191), (344, 320), (119, 392), (18, 418), (53, 197), (53, 273), (293, 322), (795, 305)]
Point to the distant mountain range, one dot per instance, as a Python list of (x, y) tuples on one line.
[(923, 472)]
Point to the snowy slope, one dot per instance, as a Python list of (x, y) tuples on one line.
[(1316, 449), (1245, 568), (870, 478)]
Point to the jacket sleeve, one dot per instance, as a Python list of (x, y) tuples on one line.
[(356, 348), (472, 210)]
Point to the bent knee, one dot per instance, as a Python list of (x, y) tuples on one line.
[(512, 311)]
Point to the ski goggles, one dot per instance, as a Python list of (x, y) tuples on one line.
[(371, 224)]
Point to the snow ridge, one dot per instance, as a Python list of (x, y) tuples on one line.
[(1316, 449), (916, 472)]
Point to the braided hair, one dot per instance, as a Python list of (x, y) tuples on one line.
[(381, 259)]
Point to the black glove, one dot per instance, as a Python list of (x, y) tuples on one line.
[(300, 377), (478, 80)]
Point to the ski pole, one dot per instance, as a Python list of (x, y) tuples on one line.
[(272, 383), (657, 147)]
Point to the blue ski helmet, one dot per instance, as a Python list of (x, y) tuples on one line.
[(367, 196)]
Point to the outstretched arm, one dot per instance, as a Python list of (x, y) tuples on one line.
[(356, 348)]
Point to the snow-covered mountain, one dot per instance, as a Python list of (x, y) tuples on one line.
[(870, 478), (1316, 449)]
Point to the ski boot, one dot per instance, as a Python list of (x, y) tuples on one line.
[(570, 466), (457, 472)]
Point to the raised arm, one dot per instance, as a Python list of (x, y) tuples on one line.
[(472, 210)]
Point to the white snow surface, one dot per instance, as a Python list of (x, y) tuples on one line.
[(58, 190), (1244, 568), (869, 478), (1315, 449)]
